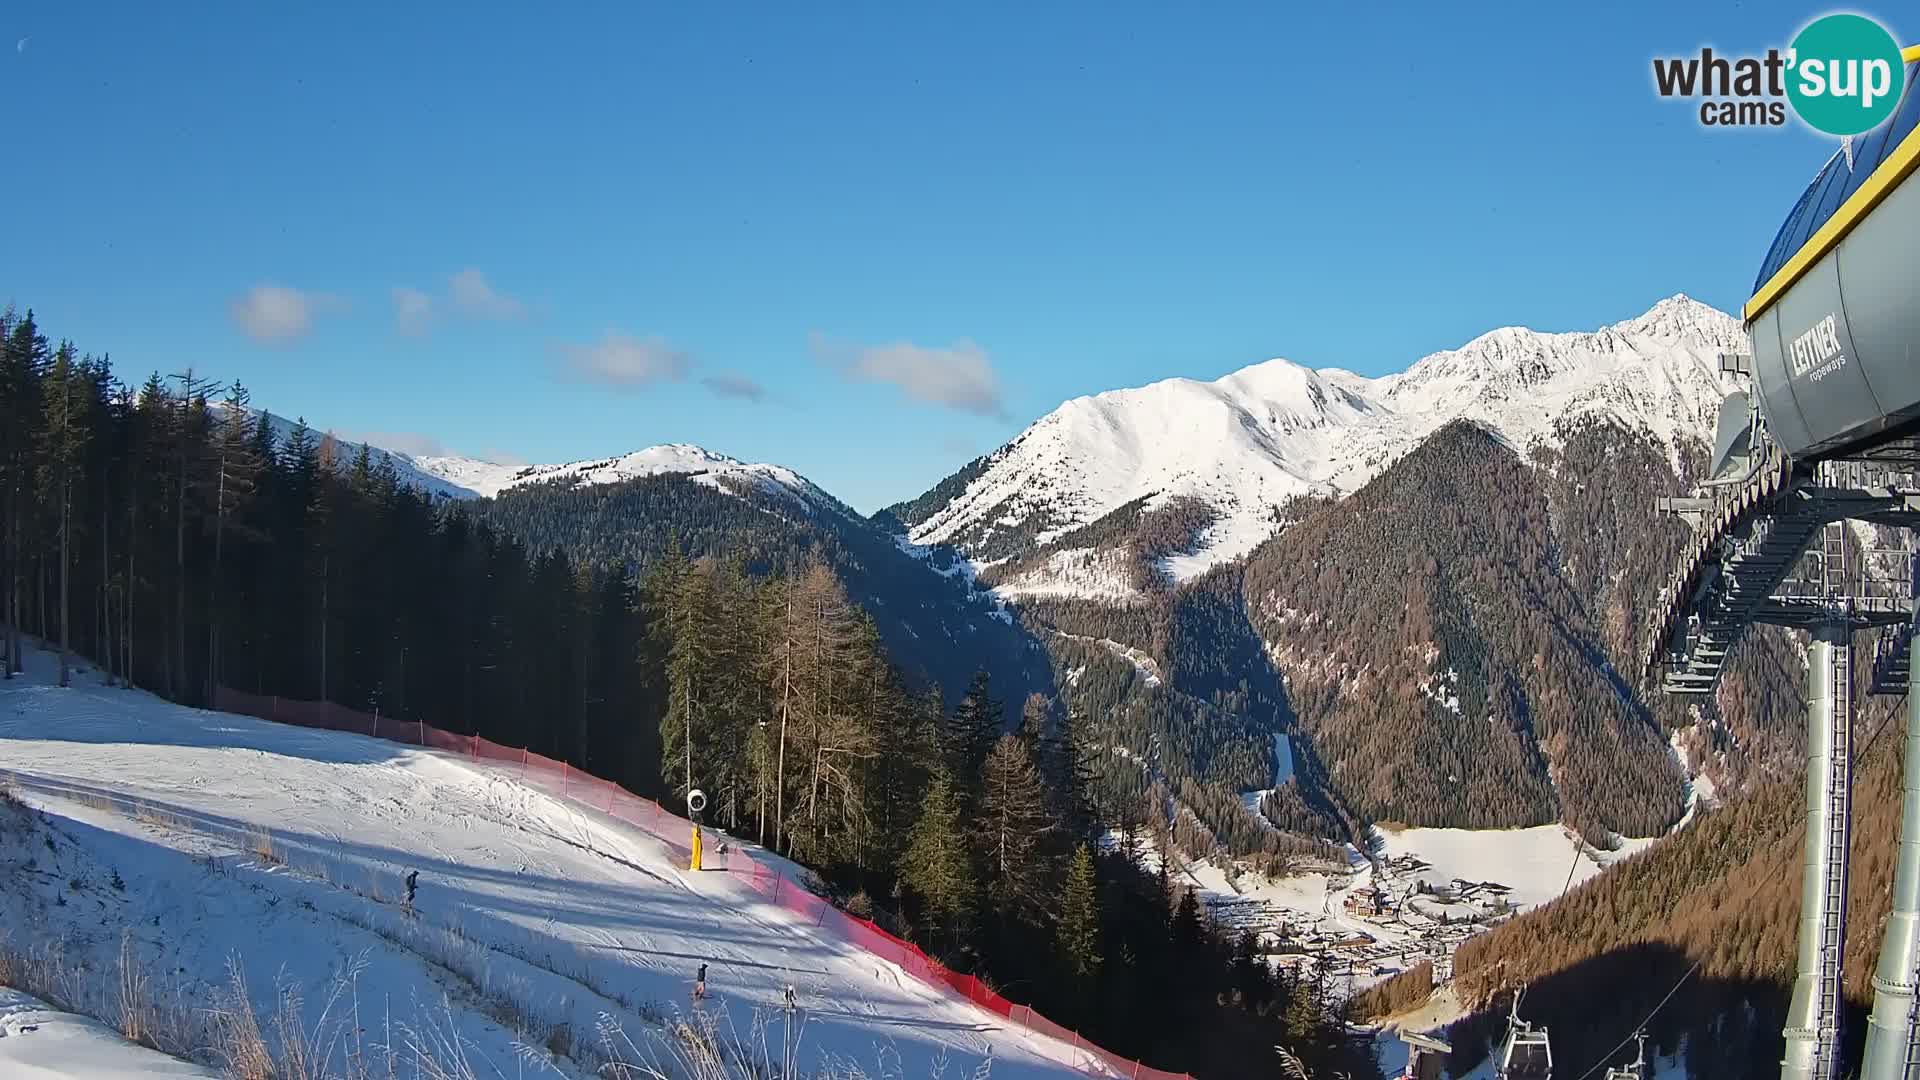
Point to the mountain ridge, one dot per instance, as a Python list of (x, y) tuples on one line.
[(1248, 443)]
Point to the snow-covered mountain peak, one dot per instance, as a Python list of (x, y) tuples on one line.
[(1681, 316), (488, 479), (456, 477), (1311, 397), (1246, 442)]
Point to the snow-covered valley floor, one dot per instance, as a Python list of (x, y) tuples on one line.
[(198, 852)]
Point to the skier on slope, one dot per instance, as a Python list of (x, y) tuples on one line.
[(700, 984), (413, 881)]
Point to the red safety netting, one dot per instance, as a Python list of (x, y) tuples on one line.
[(559, 778)]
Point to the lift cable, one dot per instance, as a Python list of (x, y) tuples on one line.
[(1622, 1044), (1897, 709)]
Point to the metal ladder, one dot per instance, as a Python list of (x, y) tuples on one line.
[(1839, 806), (1912, 1069)]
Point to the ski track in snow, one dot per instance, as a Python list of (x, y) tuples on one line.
[(567, 903)]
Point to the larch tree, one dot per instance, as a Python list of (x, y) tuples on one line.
[(1011, 831), (690, 620), (822, 729)]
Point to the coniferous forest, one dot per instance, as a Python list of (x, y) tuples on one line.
[(164, 533)]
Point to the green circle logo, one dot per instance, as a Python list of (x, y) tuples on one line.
[(1846, 74)]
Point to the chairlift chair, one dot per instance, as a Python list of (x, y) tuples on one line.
[(1426, 1056), (1527, 1053), (1638, 1069)]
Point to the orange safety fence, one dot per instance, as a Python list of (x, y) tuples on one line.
[(562, 779)]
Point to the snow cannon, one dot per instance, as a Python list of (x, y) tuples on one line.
[(1832, 317), (696, 802)]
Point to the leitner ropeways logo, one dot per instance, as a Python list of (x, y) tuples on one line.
[(1842, 75)]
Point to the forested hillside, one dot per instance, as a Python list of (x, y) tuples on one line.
[(1723, 894), (933, 623), (1445, 647), (1445, 658), (180, 546), (1495, 597)]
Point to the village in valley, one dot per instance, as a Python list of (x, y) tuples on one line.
[(1420, 894)]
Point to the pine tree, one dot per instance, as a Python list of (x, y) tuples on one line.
[(1078, 934), (1188, 930), (23, 360), (63, 439), (972, 730), (909, 734), (1305, 1012), (187, 433), (1251, 976), (936, 864), (235, 468), (1068, 772)]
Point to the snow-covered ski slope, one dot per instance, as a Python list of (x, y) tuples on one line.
[(523, 897), (39, 1042)]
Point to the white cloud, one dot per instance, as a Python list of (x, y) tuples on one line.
[(619, 360), (959, 376), (275, 313), (473, 295), (412, 311), (728, 384)]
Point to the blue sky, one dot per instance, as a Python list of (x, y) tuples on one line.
[(870, 245)]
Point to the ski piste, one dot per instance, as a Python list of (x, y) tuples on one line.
[(575, 904)]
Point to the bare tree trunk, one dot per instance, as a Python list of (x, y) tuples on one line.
[(66, 609), (103, 617), (213, 580), (326, 573), (823, 715), (786, 705), (126, 606), (6, 593), (16, 575), (177, 676)]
